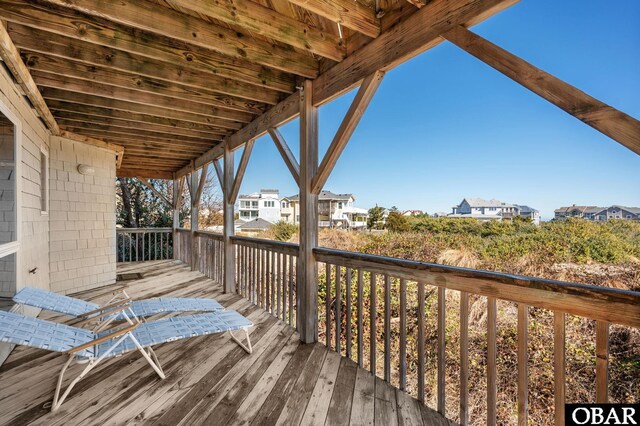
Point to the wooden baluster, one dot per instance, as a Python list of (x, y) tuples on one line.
[(559, 365), (491, 361), (360, 318), (279, 284), (387, 328), (372, 323), (602, 362), (348, 313), (285, 260), (523, 364), (272, 281), (338, 307), (265, 276), (292, 260), (327, 305), (421, 337), (403, 334), (464, 358), (442, 362)]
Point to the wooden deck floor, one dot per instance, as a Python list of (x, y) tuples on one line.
[(210, 380)]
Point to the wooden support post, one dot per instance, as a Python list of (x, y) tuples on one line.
[(307, 268), (285, 153), (347, 127), (229, 249), (602, 117), (178, 184), (157, 193), (193, 184)]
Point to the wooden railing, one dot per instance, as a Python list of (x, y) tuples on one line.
[(140, 244), (182, 245), (352, 314), (210, 255), (266, 275), (394, 318)]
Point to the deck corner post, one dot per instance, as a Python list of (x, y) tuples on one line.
[(175, 211), (307, 279), (229, 249), (195, 211)]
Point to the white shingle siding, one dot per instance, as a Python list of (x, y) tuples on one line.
[(82, 213), (34, 227)]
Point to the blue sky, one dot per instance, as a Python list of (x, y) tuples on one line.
[(444, 126)]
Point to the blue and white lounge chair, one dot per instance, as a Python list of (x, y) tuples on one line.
[(89, 347), (74, 307)]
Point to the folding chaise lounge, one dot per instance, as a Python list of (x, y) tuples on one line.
[(91, 348), (74, 307)]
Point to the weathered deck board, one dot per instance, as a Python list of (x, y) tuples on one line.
[(210, 380)]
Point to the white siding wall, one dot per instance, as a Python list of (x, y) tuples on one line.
[(82, 215), (34, 227)]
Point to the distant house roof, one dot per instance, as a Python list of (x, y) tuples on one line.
[(582, 209), (412, 212), (327, 196), (481, 202), (257, 224), (260, 194), (526, 209)]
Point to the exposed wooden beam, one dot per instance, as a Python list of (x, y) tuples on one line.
[(251, 100), (418, 3), (158, 194), (285, 153), (83, 99), (11, 57), (276, 116), (349, 13), (347, 127), (90, 141), (219, 172), (151, 174), (203, 180), (100, 32), (267, 22), (135, 96), (134, 132), (602, 117), (124, 123), (73, 57), (242, 167), (165, 22), (420, 32)]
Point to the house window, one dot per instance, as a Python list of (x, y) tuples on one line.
[(44, 181), (254, 204), (269, 203), (340, 205), (9, 193)]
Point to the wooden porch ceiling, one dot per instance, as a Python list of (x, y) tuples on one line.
[(169, 80)]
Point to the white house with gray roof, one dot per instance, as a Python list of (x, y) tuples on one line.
[(334, 211), (481, 209), (596, 213)]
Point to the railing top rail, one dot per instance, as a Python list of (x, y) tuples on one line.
[(601, 303), (183, 230), (216, 235), (133, 230), (280, 246)]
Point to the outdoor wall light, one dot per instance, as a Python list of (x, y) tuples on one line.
[(84, 169)]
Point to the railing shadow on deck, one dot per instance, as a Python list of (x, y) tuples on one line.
[(402, 291)]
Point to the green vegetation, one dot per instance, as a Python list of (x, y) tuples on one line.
[(283, 231)]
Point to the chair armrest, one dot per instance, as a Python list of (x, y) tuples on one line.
[(110, 306), (100, 316), (104, 338)]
